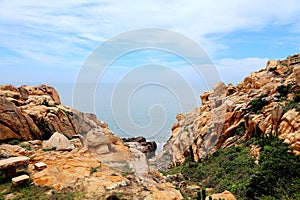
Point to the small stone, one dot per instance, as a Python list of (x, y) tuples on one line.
[(40, 166), (20, 180)]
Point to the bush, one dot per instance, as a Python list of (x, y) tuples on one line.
[(257, 104), (14, 142), (276, 177), (241, 129), (278, 173), (284, 90), (227, 169)]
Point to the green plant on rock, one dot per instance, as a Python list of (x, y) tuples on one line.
[(93, 170), (284, 90), (14, 142), (256, 105), (293, 104), (227, 169), (241, 129), (49, 149)]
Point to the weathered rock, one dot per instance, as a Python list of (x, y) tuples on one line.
[(204, 97), (59, 142), (140, 143), (14, 124), (165, 191), (229, 115), (97, 141), (40, 166), (28, 113), (8, 166), (20, 180), (224, 195), (296, 73)]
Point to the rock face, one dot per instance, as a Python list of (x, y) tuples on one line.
[(261, 104), (16, 124)]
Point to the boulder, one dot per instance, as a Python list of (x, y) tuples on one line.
[(20, 180), (40, 166), (8, 166), (96, 141), (58, 141)]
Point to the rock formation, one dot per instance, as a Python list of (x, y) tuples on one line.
[(265, 102), (66, 148), (28, 113), (140, 143)]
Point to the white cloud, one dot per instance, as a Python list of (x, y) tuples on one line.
[(235, 70), (103, 19)]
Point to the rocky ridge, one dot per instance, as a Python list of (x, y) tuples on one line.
[(266, 102)]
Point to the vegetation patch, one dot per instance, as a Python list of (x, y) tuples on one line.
[(49, 149), (256, 105), (277, 176)]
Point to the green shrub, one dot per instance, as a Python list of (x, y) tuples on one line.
[(278, 173), (284, 90), (227, 169), (93, 170), (276, 177), (25, 147), (257, 104), (241, 129), (14, 142), (291, 105)]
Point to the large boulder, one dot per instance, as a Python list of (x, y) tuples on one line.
[(97, 141), (59, 142)]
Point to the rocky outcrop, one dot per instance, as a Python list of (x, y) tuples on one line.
[(261, 104), (28, 113), (140, 143), (16, 124)]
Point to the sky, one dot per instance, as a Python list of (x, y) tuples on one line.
[(49, 42)]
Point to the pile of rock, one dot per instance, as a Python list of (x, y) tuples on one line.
[(140, 143)]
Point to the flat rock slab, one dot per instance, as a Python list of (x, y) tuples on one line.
[(13, 162), (40, 166), (20, 180)]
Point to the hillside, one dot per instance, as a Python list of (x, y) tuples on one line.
[(244, 138), (264, 103)]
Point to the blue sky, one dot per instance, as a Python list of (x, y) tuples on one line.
[(48, 42)]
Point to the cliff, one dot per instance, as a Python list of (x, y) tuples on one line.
[(264, 103)]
